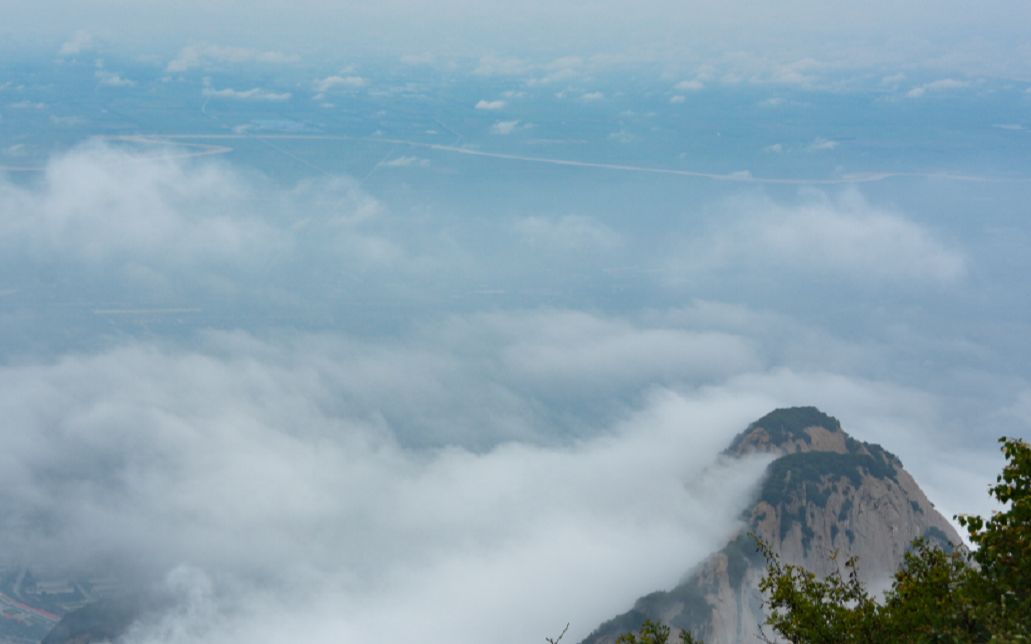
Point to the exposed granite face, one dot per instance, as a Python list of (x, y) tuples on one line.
[(827, 497)]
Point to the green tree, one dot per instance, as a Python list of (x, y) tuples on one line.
[(806, 608), (1003, 550), (937, 596), (653, 633)]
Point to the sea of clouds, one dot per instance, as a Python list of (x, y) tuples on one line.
[(476, 474)]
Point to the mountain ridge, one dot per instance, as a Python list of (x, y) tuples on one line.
[(826, 494)]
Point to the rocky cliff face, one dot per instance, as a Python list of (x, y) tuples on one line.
[(825, 493)]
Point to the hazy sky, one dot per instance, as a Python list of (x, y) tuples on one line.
[(411, 321), (944, 32)]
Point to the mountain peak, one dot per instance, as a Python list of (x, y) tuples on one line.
[(824, 492), (793, 429)]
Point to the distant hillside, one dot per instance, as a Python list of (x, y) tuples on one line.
[(825, 493), (103, 621)]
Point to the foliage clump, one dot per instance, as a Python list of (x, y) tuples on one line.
[(791, 422), (937, 537), (654, 633)]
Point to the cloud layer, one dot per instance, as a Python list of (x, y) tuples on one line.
[(320, 482), (283, 466), (418, 480)]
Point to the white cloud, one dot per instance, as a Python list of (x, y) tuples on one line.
[(943, 85), (505, 128), (112, 79), (201, 56), (490, 105), (565, 68), (158, 223), (157, 220), (27, 105), (79, 42), (253, 94), (800, 72), (568, 233), (67, 121), (822, 145), (845, 236), (592, 97), (776, 148), (748, 67), (97, 204), (351, 81), (675, 100), (690, 85)]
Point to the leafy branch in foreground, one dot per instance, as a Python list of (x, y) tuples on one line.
[(936, 596)]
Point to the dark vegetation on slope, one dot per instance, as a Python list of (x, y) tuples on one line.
[(807, 476)]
